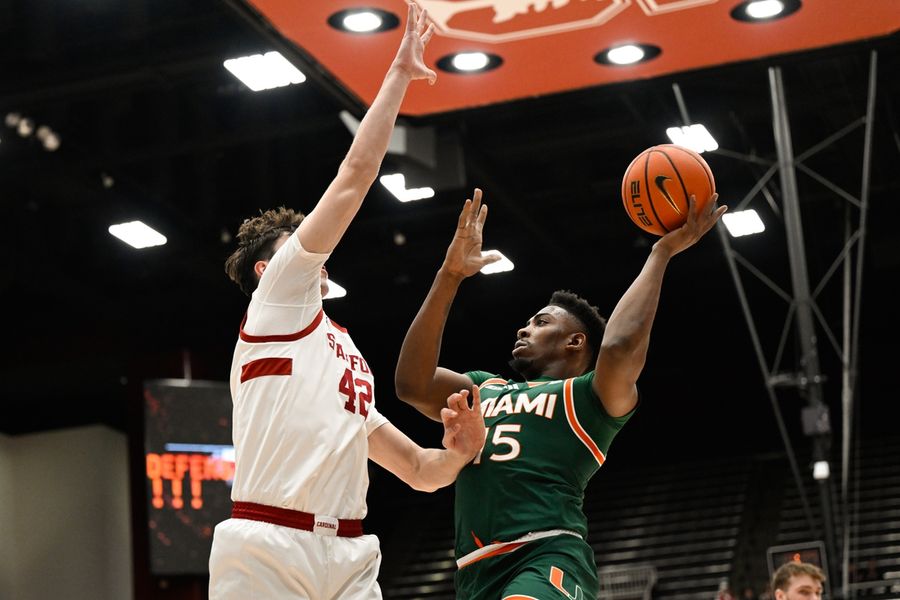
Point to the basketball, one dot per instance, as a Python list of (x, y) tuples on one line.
[(658, 183)]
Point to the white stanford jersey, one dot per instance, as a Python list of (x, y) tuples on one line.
[(304, 398)]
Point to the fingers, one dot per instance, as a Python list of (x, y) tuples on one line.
[(411, 17), (464, 214), (482, 217), (457, 401), (471, 207), (422, 22), (479, 210), (428, 33), (476, 399), (489, 258)]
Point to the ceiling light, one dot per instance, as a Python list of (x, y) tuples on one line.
[(469, 62), (12, 119), (334, 291), (821, 470), (695, 137), (764, 10), (362, 22), (25, 127), (138, 235), (396, 184), (627, 54), (501, 266), (367, 20), (264, 71), (48, 138), (743, 222)]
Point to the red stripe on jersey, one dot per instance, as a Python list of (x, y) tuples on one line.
[(290, 337), (572, 418), (338, 327), (263, 367)]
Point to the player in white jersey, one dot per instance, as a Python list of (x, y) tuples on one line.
[(305, 421)]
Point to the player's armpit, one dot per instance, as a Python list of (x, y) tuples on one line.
[(429, 401)]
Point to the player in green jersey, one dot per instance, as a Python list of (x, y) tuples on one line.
[(520, 528)]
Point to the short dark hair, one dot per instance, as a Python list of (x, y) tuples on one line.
[(781, 580), (587, 314), (256, 241)]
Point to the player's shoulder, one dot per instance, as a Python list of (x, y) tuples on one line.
[(487, 381)]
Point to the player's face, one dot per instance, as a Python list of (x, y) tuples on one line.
[(541, 341), (801, 587)]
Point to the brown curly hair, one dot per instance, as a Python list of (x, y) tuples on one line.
[(256, 241)]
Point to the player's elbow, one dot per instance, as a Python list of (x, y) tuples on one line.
[(361, 168), (408, 391), (415, 394), (422, 486)]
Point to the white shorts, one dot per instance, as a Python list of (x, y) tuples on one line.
[(253, 560)]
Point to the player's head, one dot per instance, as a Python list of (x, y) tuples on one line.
[(258, 240), (562, 339), (798, 581)]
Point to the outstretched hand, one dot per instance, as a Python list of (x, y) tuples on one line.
[(464, 257), (410, 56), (699, 221), (463, 425)]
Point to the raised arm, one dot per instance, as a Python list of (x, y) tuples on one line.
[(418, 380), (324, 226), (627, 336), (427, 469)]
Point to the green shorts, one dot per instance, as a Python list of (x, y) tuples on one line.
[(553, 568)]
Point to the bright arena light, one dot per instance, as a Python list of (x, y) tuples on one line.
[(264, 71), (501, 266), (470, 61), (821, 470), (396, 184), (763, 9), (334, 290), (696, 137), (625, 55), (362, 22), (137, 234), (745, 222)]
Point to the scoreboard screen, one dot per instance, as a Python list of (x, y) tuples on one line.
[(189, 468)]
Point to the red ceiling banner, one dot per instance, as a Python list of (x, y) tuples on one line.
[(548, 46)]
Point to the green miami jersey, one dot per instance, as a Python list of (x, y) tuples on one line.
[(545, 440)]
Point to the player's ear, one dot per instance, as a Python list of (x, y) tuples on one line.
[(259, 267), (577, 341)]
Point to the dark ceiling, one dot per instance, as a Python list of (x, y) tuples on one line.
[(153, 127)]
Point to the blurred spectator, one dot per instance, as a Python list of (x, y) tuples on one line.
[(872, 573), (724, 591), (798, 581)]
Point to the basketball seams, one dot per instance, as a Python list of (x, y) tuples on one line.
[(680, 179), (649, 190), (706, 169)]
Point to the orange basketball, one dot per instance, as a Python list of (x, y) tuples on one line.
[(658, 183)]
